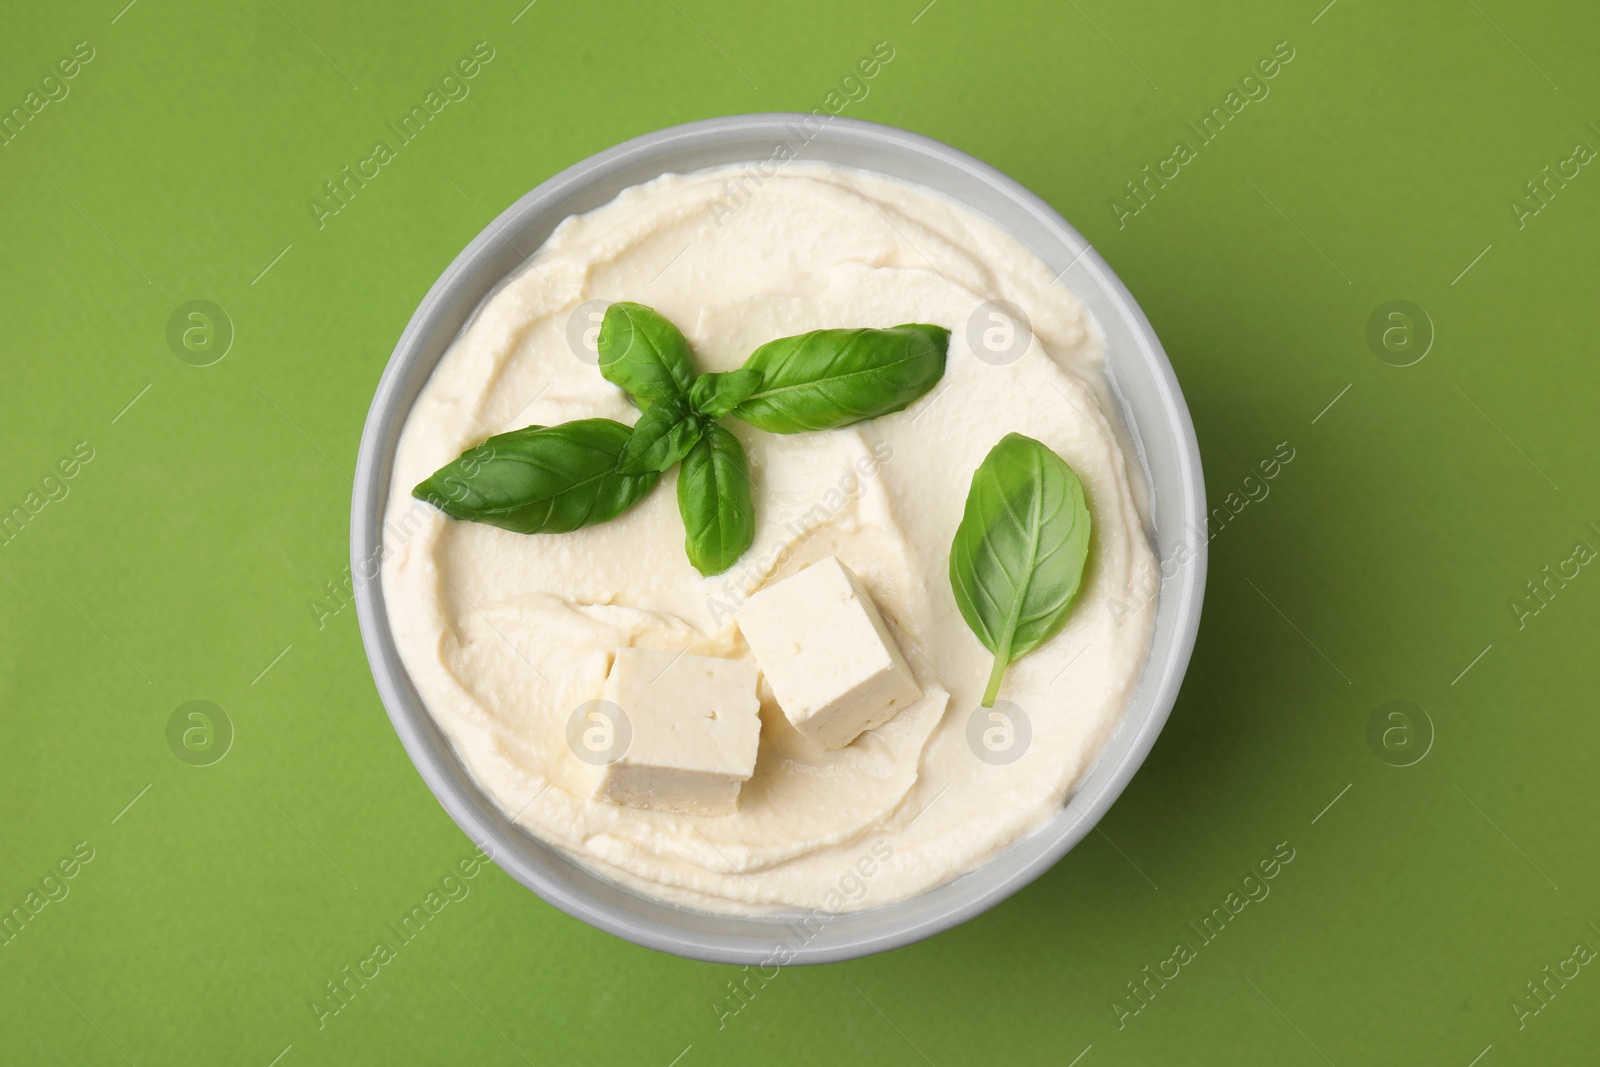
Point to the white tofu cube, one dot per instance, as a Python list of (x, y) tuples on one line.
[(693, 724), (833, 665)]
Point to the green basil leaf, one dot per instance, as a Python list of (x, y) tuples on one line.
[(662, 436), (714, 499), (718, 393), (829, 378), (644, 354), (540, 479), (1018, 556)]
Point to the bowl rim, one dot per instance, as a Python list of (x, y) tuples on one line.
[(506, 843)]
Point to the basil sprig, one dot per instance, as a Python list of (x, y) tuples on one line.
[(719, 520), (561, 478), (649, 358), (830, 378), (540, 479), (1018, 556)]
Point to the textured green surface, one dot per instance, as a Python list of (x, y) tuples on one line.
[(1383, 562)]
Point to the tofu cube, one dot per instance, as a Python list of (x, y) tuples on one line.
[(693, 722), (834, 668)]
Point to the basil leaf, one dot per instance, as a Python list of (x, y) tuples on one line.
[(718, 393), (540, 479), (644, 354), (662, 436), (829, 378), (714, 499), (1018, 556)]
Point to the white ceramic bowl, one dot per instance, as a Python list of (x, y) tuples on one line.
[(1153, 409)]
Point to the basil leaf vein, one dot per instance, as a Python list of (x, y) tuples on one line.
[(1017, 561), (540, 479), (830, 378)]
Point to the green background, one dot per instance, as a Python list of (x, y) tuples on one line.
[(183, 563)]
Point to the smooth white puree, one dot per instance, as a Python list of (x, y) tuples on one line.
[(506, 634)]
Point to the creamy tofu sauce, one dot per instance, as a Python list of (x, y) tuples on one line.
[(505, 635)]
